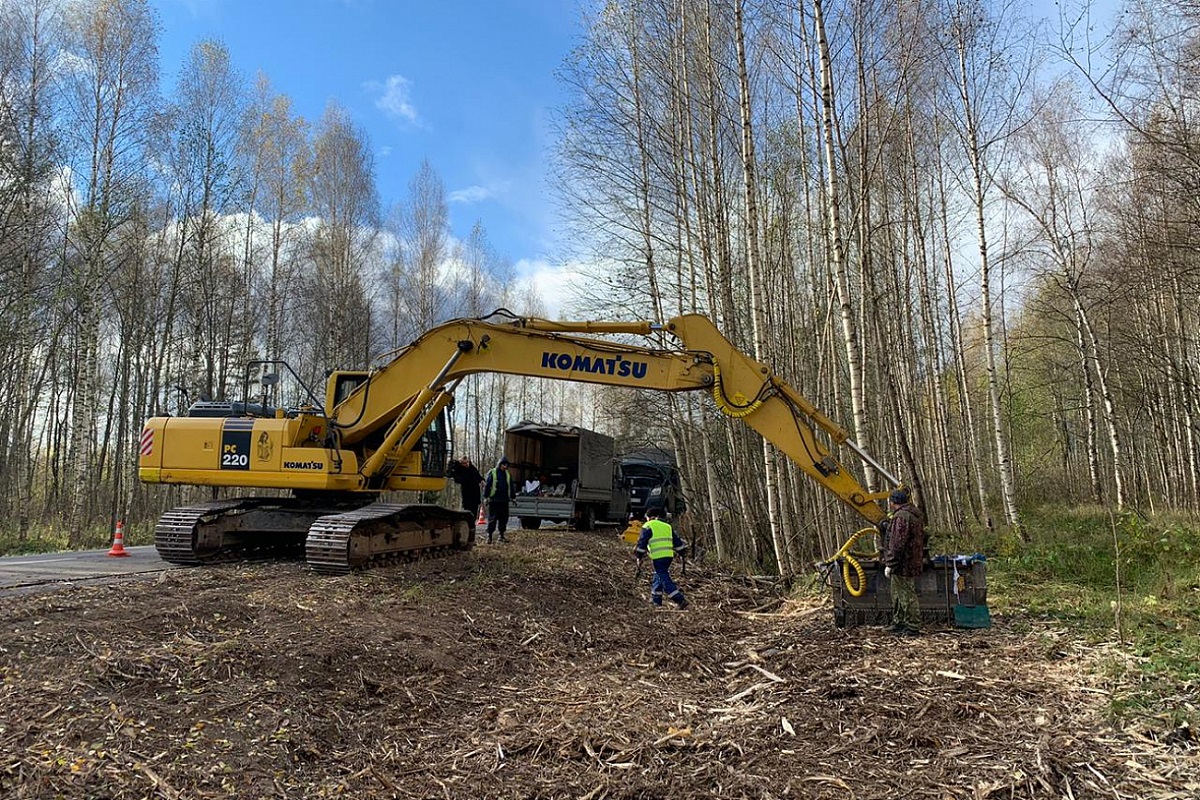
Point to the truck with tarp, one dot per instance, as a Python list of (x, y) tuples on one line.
[(564, 473)]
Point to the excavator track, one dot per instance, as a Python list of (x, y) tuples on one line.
[(228, 530), (384, 533), (186, 535)]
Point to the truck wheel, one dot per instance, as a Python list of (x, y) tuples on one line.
[(531, 523), (586, 520)]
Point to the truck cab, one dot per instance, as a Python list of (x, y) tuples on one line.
[(652, 480)]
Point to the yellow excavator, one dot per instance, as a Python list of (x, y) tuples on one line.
[(385, 430)]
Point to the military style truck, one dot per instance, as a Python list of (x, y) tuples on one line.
[(564, 473)]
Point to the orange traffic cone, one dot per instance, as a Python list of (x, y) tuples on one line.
[(482, 519), (118, 545)]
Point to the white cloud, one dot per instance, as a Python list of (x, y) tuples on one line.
[(476, 193), (553, 284), (472, 194), (67, 63), (393, 98)]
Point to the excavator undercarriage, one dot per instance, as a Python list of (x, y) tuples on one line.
[(334, 538)]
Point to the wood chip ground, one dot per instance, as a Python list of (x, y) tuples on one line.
[(538, 669)]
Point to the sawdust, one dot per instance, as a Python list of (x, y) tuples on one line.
[(536, 670)]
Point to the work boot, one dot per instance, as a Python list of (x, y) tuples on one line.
[(906, 632), (683, 603)]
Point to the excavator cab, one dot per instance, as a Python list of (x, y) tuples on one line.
[(341, 384), (435, 447)]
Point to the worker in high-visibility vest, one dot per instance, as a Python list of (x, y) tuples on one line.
[(498, 489), (661, 543)]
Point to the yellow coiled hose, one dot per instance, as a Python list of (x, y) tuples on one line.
[(850, 561), (740, 407)]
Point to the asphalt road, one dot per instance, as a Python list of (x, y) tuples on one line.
[(52, 571), (55, 571)]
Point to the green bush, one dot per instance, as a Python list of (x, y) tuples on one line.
[(1122, 577), (11, 545)]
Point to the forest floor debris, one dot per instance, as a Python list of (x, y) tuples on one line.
[(538, 669)]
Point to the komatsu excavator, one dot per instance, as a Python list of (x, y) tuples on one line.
[(385, 430)]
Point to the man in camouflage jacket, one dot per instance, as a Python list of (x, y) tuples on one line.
[(903, 559)]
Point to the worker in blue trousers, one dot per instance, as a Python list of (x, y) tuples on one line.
[(661, 543)]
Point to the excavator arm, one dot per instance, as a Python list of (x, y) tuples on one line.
[(748, 390), (420, 381)]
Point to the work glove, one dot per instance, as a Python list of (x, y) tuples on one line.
[(639, 555), (887, 572)]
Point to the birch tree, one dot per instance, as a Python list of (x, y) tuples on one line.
[(109, 102), (421, 230), (276, 148), (208, 116), (988, 75), (29, 220), (754, 268), (1051, 181), (341, 246)]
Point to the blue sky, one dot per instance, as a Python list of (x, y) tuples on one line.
[(468, 85)]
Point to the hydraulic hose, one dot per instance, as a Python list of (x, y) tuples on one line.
[(850, 562), (738, 408)]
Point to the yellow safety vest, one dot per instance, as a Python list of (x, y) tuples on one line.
[(662, 539), (494, 484)]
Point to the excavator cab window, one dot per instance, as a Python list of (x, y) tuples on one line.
[(435, 447), (341, 384)]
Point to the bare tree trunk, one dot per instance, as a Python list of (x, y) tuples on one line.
[(1114, 434), (974, 462), (754, 268), (975, 157), (850, 336)]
